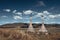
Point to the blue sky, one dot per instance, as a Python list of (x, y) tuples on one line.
[(16, 11)]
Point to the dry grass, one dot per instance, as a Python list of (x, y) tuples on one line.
[(9, 34), (13, 35)]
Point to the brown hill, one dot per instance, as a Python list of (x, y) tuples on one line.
[(25, 25)]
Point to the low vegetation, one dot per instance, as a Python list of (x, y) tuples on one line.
[(15, 34)]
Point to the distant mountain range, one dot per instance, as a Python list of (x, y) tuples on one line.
[(26, 25)]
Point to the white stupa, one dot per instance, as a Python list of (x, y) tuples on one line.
[(30, 28), (43, 29)]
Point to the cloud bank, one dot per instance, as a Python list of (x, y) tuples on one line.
[(17, 17), (7, 10)]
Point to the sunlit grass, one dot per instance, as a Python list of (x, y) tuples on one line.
[(21, 34)]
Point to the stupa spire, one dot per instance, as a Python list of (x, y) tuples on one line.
[(30, 28), (43, 29)]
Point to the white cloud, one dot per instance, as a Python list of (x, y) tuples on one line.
[(19, 13), (38, 15), (46, 12), (17, 17), (14, 11), (40, 3), (7, 10), (54, 16), (27, 12), (58, 15), (37, 22)]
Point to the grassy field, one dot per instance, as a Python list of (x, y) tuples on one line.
[(21, 34)]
